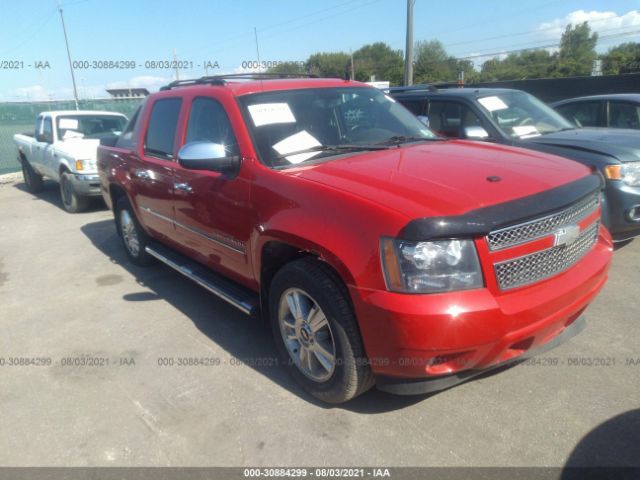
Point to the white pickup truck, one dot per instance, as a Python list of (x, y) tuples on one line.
[(64, 149)]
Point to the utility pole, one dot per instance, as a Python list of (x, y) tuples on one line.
[(255, 33), (408, 52), (175, 62), (353, 73), (66, 41)]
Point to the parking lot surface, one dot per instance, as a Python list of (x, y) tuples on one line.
[(95, 370)]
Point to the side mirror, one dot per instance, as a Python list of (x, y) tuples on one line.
[(207, 156), (476, 133), (424, 119)]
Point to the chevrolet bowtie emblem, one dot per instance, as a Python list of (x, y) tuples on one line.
[(566, 235)]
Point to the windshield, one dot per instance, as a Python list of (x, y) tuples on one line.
[(90, 126), (326, 122), (521, 115)]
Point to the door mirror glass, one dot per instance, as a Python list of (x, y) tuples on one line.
[(207, 156), (476, 133)]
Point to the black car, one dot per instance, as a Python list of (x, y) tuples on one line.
[(621, 110), (513, 117)]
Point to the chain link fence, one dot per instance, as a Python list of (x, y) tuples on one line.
[(20, 117)]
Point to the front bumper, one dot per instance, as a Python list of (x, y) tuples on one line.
[(619, 202), (414, 387), (414, 338), (87, 185)]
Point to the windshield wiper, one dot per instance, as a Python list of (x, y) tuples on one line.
[(398, 139), (333, 148)]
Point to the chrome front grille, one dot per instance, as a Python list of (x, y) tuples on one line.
[(540, 227), (545, 263)]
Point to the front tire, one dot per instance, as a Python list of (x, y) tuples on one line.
[(316, 332), (134, 238), (72, 202), (32, 179)]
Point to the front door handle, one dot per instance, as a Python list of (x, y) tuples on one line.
[(142, 174), (183, 187)]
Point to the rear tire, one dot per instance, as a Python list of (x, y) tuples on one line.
[(72, 202), (316, 332), (32, 179), (134, 238)]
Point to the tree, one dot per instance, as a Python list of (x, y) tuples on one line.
[(577, 51), (433, 64), (379, 60), (288, 67), (328, 64), (624, 58), (518, 66)]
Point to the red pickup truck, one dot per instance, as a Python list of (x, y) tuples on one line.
[(379, 252)]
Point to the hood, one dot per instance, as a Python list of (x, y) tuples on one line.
[(622, 144), (79, 148), (443, 177)]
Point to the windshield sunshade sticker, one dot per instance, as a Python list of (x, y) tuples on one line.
[(525, 130), (270, 113), (299, 141), (68, 123), (492, 103)]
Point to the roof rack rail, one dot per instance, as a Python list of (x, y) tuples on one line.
[(421, 88), (222, 79)]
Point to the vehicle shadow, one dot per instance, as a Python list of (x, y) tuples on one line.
[(51, 193), (244, 338), (611, 450)]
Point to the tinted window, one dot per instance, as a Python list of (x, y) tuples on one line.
[(162, 128), (414, 106), (624, 115), (583, 114), (208, 122)]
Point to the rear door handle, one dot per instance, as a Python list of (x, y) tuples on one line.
[(184, 187)]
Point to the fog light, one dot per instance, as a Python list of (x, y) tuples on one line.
[(634, 213)]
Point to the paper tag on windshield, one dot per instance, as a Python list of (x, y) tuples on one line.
[(68, 123), (492, 103), (523, 130), (268, 113), (300, 141)]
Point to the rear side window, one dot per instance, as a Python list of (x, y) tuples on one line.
[(583, 114), (161, 132), (624, 115), (208, 122)]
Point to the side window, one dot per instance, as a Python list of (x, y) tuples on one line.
[(208, 122), (38, 132), (126, 139), (583, 114), (161, 132), (451, 118), (47, 130), (624, 115), (414, 106)]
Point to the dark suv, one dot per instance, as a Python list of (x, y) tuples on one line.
[(513, 117)]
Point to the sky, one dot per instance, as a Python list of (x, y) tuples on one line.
[(221, 34)]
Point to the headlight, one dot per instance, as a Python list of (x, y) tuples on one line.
[(430, 267), (629, 173), (85, 165)]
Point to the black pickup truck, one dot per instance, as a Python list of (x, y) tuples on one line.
[(513, 117)]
